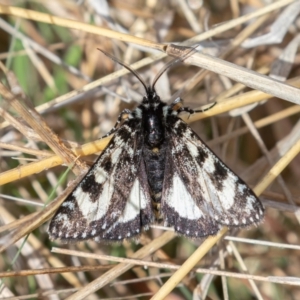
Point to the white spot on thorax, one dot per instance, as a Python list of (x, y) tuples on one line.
[(177, 124), (165, 110), (138, 113)]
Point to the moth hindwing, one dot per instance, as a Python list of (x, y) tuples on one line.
[(155, 168)]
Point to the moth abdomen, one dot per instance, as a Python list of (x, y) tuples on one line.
[(155, 167)]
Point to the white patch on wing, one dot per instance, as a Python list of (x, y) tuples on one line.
[(227, 194), (62, 217), (213, 203), (68, 204), (209, 164), (220, 200), (181, 201), (94, 210), (118, 141), (216, 202), (193, 149), (249, 205), (130, 151), (115, 155), (100, 175), (177, 149), (136, 201), (65, 221), (242, 188)]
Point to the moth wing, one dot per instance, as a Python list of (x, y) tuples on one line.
[(200, 193), (112, 202)]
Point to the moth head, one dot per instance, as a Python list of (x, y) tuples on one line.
[(151, 99)]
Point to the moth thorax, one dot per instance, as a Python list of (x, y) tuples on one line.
[(154, 129)]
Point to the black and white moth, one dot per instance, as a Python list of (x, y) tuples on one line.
[(155, 169)]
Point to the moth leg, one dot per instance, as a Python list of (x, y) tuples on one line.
[(177, 105), (191, 111), (205, 109), (119, 120)]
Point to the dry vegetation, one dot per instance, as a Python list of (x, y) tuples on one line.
[(60, 94)]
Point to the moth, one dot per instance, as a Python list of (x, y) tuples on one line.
[(155, 169)]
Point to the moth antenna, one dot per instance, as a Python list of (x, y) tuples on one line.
[(135, 73), (173, 62)]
